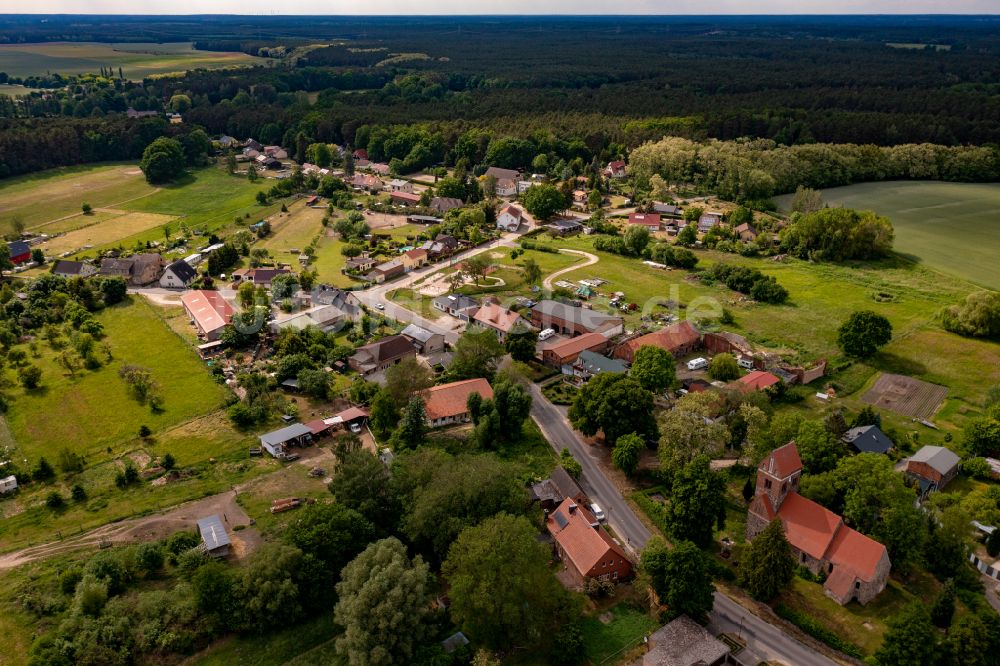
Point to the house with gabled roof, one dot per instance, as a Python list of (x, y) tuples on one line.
[(178, 275), (574, 320), (550, 492), (649, 220), (932, 467), (867, 439), (380, 355), (444, 204), (566, 351), (757, 380), (684, 642), (209, 311), (457, 305), (426, 341), (447, 404), (509, 218), (856, 566), (586, 549), (615, 169), (498, 318), (70, 269)]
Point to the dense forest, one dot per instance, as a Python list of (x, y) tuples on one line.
[(791, 80)]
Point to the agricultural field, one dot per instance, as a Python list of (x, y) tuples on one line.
[(15, 90), (126, 209), (137, 60), (951, 227)]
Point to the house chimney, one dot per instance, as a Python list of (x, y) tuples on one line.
[(572, 508)]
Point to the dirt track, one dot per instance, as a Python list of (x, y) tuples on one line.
[(148, 528), (591, 260)]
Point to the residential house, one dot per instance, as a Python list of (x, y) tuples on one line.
[(590, 363), (649, 220), (252, 144), (550, 492), (175, 118), (379, 168), (746, 233), (360, 154), (361, 263), (209, 311), (708, 220), (70, 269), (278, 442), (263, 277), (932, 467), (444, 204), (565, 351), (427, 342), (509, 218), (506, 180), (8, 484), (684, 642), (450, 243), (137, 270), (20, 252), (447, 404), (867, 439), (378, 356), (564, 227), (678, 339), (856, 567), (178, 275), (326, 318), (226, 142), (277, 152), (586, 549), (668, 210), (414, 258), (400, 185), (365, 182), (498, 318), (615, 170), (756, 380), (268, 162), (574, 320), (345, 301), (457, 305), (386, 271), (405, 198), (214, 538)]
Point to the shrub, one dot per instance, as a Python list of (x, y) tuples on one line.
[(78, 493), (54, 500), (809, 625)]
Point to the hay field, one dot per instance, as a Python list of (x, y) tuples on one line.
[(115, 225), (950, 227), (136, 60), (293, 230), (41, 198)]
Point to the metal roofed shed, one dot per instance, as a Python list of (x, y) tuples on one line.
[(276, 442), (214, 537)]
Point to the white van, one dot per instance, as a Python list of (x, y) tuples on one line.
[(697, 364), (546, 334), (596, 510)]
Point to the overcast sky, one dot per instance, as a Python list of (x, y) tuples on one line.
[(372, 7)]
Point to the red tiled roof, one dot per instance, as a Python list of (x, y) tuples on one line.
[(513, 210), (647, 219), (761, 506), (583, 545), (854, 551), (418, 253), (840, 582), (497, 317), (809, 526), (406, 196), (352, 413), (672, 338), (317, 426), (783, 461), (208, 308), (449, 400), (574, 346), (757, 380)]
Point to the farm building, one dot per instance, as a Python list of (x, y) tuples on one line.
[(678, 339), (277, 442), (758, 380), (20, 252), (574, 320), (684, 642), (209, 311), (214, 538), (565, 352), (137, 270), (932, 467), (448, 403), (590, 363)]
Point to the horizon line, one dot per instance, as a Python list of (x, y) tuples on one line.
[(521, 14)]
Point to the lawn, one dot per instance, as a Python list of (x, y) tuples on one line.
[(292, 232), (274, 649), (93, 410), (137, 60), (328, 263), (952, 227), (624, 628)]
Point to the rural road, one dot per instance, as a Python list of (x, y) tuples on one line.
[(591, 260), (765, 641)]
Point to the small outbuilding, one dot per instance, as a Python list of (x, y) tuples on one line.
[(932, 467), (867, 439), (277, 442), (8, 484), (214, 538)]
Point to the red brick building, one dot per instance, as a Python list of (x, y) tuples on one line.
[(678, 339), (587, 550), (566, 351)]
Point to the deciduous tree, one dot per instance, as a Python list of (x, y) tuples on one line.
[(626, 453), (654, 368), (697, 502), (864, 333), (615, 404)]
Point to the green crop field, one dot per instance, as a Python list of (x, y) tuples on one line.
[(127, 210), (952, 227), (136, 60)]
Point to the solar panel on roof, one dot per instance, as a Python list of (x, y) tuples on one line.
[(560, 519)]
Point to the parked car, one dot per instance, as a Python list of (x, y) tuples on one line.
[(355, 427), (380, 306), (546, 334), (598, 513)]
